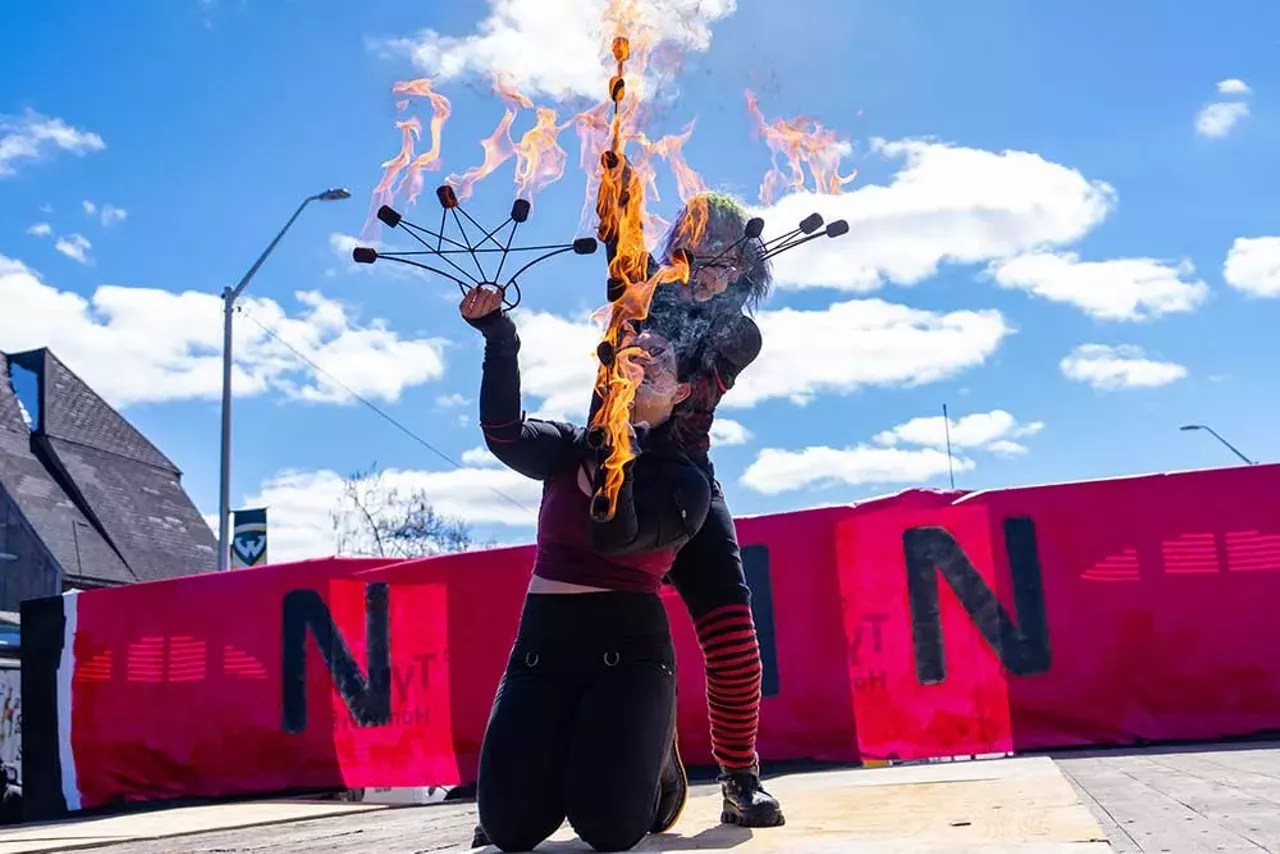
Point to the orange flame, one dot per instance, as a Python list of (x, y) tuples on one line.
[(802, 142), (689, 184), (498, 148), (619, 192), (405, 162), (539, 158), (624, 222)]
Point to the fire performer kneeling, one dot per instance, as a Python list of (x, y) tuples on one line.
[(715, 340), (586, 708)]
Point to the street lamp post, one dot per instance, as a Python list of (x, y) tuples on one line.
[(1215, 435), (229, 296)]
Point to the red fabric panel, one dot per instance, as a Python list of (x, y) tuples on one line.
[(898, 718), (485, 591), (1155, 590), (177, 689), (1160, 595)]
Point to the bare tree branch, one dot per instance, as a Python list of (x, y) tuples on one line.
[(373, 519)]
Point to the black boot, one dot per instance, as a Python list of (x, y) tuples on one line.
[(673, 791), (746, 803), (481, 839)]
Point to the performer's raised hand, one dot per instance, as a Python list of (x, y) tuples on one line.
[(479, 303)]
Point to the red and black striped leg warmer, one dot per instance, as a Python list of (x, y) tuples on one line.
[(732, 655)]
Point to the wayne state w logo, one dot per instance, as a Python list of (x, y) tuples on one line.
[(249, 541), (250, 547)]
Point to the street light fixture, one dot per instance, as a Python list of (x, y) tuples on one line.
[(229, 296), (1215, 435)]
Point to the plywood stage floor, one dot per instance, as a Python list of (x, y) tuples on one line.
[(1224, 798)]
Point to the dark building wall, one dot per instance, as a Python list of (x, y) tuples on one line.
[(34, 573)]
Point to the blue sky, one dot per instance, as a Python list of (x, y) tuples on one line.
[(1063, 227)]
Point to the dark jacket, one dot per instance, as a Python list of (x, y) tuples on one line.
[(664, 496)]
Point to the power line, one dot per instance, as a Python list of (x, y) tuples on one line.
[(377, 410)]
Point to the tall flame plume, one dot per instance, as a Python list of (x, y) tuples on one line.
[(620, 163), (628, 230), (802, 143)]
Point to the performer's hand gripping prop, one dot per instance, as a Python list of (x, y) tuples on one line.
[(633, 277), (447, 248)]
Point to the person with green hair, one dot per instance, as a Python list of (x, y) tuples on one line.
[(709, 325)]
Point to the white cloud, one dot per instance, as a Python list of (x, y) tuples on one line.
[(342, 244), (725, 431), (1253, 266), (1234, 86), (89, 207), (1106, 367), (32, 137), (112, 215), (445, 401), (841, 348), (947, 204), (136, 345), (775, 471), (481, 457), (40, 229), (1119, 289), (1006, 448), (858, 343), (884, 461), (557, 363), (989, 431), (1218, 120), (75, 246), (556, 47), (300, 505)]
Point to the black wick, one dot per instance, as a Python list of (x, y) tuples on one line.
[(806, 231), (446, 247)]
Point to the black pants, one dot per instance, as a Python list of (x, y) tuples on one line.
[(581, 723), (708, 571), (708, 575)]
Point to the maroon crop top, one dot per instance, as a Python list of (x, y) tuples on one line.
[(564, 547)]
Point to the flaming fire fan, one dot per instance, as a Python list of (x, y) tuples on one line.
[(448, 248)]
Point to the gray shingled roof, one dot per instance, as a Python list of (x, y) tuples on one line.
[(78, 548), (130, 519)]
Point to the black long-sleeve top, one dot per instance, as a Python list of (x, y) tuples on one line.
[(662, 504)]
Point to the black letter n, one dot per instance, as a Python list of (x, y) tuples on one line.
[(1022, 649), (368, 700)]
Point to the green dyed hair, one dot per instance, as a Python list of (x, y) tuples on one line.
[(726, 220)]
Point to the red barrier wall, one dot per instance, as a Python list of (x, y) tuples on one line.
[(1156, 624), (177, 689), (1156, 594)]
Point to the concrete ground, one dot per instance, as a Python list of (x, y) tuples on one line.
[(1220, 798)]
